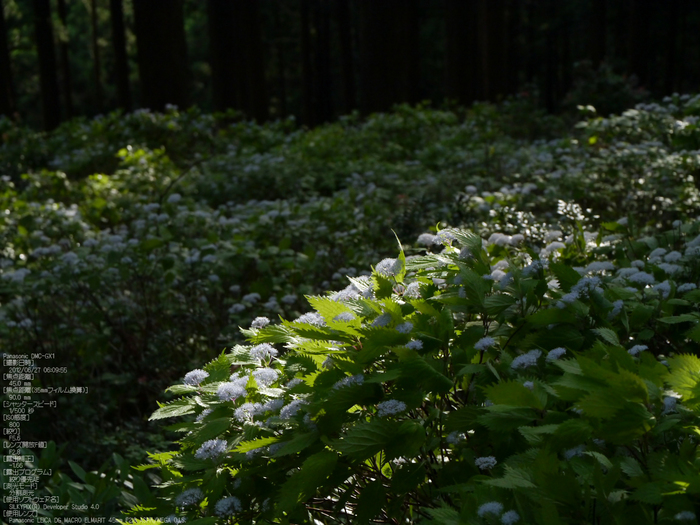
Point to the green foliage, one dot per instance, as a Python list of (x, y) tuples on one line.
[(433, 406), (146, 267)]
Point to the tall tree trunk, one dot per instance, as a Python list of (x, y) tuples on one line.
[(551, 77), (48, 78), (96, 70), (389, 35), (235, 46), (224, 55), (513, 30), (162, 53), (253, 61), (461, 51), (7, 92), (323, 61), (640, 48), (598, 32), (307, 74), (65, 63), (492, 39), (671, 36), (121, 64), (346, 56), (281, 65)]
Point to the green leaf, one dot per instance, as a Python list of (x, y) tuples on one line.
[(607, 335), (364, 440), (371, 501), (676, 319), (512, 393), (534, 435), (570, 433), (210, 430), (685, 377), (495, 304), (298, 443), (504, 418), (303, 484), (514, 478), (179, 407), (565, 274), (247, 446), (444, 516), (78, 470)]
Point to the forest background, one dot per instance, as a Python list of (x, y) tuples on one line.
[(318, 59)]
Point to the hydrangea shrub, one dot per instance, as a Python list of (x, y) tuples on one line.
[(481, 383)]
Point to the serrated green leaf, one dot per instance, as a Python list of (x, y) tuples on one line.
[(210, 430), (303, 484), (570, 433), (512, 393), (607, 335), (685, 377), (534, 435), (247, 446), (179, 407), (297, 444), (504, 418), (364, 440), (565, 274), (496, 303), (631, 467), (514, 478), (371, 501), (649, 493), (444, 516), (676, 319)]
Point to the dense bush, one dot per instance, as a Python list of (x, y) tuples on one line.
[(189, 225), (444, 389)]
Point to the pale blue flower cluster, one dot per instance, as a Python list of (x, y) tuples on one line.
[(485, 462), (290, 410), (230, 391), (189, 497), (389, 267), (344, 317), (637, 349), (492, 507), (263, 352), (641, 278), (391, 407), (484, 343), (555, 354), (685, 515), (510, 517), (259, 322), (686, 287), (526, 360), (404, 328), (228, 506), (617, 308), (350, 380), (247, 411), (312, 318), (382, 320), (415, 344), (265, 376), (212, 448), (195, 377)]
